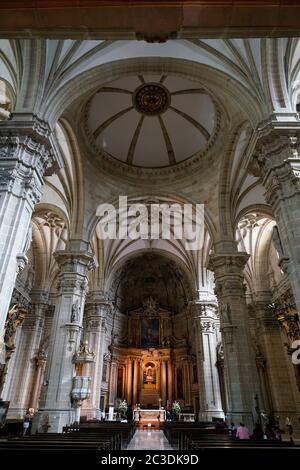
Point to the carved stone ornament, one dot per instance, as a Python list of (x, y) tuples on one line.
[(84, 354), (75, 315), (27, 153), (151, 99), (150, 307), (16, 316), (286, 313), (220, 353)]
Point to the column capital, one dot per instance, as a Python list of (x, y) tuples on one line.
[(229, 278), (276, 160), (228, 263), (28, 151), (74, 261), (74, 267), (98, 304), (201, 309)]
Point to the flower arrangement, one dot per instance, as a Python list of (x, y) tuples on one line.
[(123, 407), (176, 408)]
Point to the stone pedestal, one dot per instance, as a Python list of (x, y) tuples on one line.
[(80, 392)]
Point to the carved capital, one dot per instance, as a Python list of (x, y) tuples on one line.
[(228, 270), (74, 268), (276, 159), (228, 263), (27, 153)]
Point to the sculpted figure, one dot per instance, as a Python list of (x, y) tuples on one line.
[(75, 315)]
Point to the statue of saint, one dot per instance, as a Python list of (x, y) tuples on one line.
[(226, 313), (75, 315), (149, 374)]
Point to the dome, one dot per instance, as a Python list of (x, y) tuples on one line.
[(151, 121)]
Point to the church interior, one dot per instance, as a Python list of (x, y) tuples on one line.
[(207, 336)]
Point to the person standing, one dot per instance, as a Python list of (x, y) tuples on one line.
[(242, 432), (258, 433), (27, 420), (289, 426)]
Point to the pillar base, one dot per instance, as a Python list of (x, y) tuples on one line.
[(91, 413), (210, 414), (51, 420)]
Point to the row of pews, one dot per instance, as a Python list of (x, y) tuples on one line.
[(199, 436), (83, 438)]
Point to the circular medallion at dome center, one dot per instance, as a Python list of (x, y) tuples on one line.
[(151, 99)]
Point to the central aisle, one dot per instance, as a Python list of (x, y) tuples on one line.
[(149, 440)]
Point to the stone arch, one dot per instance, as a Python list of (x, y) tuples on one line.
[(91, 80), (181, 277)]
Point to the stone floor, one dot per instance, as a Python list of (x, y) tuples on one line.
[(149, 440)]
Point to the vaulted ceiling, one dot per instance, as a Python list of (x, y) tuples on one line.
[(151, 120)]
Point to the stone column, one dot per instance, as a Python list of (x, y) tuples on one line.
[(40, 362), (208, 327), (170, 381), (129, 381), (135, 380), (97, 310), (27, 154), (283, 396), (276, 161), (163, 383), (22, 377), (187, 384), (239, 363), (196, 312), (64, 341), (113, 382)]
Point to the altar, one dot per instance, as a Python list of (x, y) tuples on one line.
[(149, 417)]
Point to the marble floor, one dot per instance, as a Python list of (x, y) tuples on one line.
[(149, 440)]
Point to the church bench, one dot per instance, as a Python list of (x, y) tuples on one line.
[(173, 430), (238, 444), (62, 446), (127, 430), (113, 439), (102, 440), (192, 441)]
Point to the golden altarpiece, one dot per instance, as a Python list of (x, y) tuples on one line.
[(151, 366)]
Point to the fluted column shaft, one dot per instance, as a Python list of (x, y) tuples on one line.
[(113, 382), (135, 380), (129, 381), (163, 383), (170, 381)]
